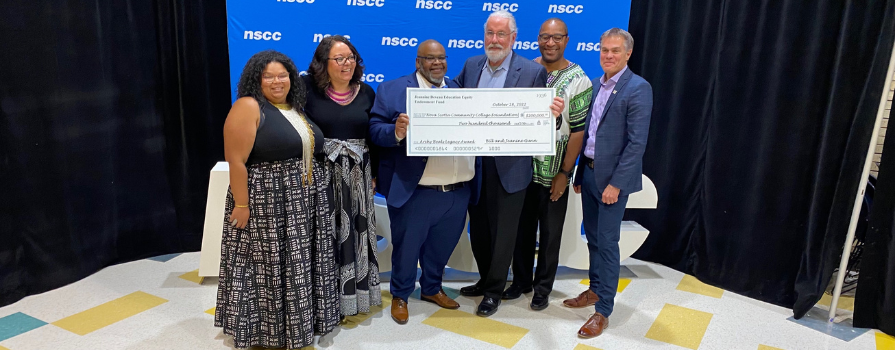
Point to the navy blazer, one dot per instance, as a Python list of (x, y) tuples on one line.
[(398, 174), (621, 135), (514, 172)]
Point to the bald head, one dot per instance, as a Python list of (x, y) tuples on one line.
[(431, 61), (430, 44), (556, 24), (552, 40)]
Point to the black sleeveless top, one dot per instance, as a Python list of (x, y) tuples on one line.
[(276, 138)]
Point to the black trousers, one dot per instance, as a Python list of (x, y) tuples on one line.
[(493, 226), (539, 212)]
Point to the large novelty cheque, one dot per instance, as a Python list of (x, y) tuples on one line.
[(480, 122)]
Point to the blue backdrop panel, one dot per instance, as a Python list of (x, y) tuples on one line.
[(387, 32)]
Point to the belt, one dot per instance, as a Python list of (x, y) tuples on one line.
[(445, 188), (589, 162)]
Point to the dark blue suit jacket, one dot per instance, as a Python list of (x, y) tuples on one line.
[(621, 135), (514, 172), (398, 174)]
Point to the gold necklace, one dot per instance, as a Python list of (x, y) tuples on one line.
[(283, 106)]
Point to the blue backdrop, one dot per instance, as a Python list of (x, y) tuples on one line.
[(387, 32)]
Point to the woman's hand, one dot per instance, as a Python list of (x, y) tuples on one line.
[(239, 217)]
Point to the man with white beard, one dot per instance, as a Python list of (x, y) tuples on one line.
[(494, 220)]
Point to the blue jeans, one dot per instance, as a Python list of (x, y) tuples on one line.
[(602, 227)]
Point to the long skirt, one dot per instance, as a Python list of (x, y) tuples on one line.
[(349, 163), (278, 277)]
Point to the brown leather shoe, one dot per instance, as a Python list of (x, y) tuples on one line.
[(586, 298), (399, 310), (594, 326), (441, 299)]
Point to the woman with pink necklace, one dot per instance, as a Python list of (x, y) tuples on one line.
[(339, 103)]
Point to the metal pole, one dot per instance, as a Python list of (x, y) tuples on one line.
[(862, 186)]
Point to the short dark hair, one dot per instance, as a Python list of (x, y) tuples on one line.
[(250, 80), (317, 68)]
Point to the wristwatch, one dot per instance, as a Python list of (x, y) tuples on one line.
[(567, 173)]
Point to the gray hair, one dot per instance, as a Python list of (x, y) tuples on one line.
[(629, 40), (503, 14)]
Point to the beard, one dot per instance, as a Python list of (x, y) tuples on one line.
[(431, 79), (497, 56)]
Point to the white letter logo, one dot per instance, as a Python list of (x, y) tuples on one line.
[(372, 77), (437, 5), (397, 41), (565, 9), (377, 3), (497, 6), (259, 35)]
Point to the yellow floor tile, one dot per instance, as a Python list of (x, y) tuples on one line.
[(484, 329), (211, 311), (845, 303), (680, 326), (2, 348), (765, 347), (884, 341), (693, 285), (622, 284), (192, 276), (585, 347), (352, 321), (106, 314)]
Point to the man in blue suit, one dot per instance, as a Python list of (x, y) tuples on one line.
[(494, 219), (609, 169), (427, 197)]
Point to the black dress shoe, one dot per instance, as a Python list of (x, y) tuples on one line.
[(487, 307), (539, 302), (514, 292), (472, 291)]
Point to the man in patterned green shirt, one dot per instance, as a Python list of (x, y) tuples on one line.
[(547, 196)]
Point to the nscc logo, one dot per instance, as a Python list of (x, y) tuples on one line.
[(396, 41), (259, 35), (525, 45), (565, 9), (497, 6), (318, 37), (372, 77), (298, 1), (466, 44), (377, 3), (588, 47), (437, 5)]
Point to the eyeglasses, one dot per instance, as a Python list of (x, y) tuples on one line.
[(270, 78), (344, 60), (556, 37), (433, 59), (500, 35)]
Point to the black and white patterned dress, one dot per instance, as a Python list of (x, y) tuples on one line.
[(278, 278), (352, 164)]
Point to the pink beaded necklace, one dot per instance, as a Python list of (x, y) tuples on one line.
[(342, 98)]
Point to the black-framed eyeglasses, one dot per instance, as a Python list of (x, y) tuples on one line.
[(556, 37), (343, 60), (433, 59)]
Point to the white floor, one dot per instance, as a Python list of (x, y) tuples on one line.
[(692, 315)]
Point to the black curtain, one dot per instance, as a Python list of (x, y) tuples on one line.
[(875, 297), (763, 113), (110, 119)]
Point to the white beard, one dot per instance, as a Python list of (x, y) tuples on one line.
[(500, 55)]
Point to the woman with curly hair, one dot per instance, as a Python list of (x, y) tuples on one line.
[(339, 102), (278, 282)]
